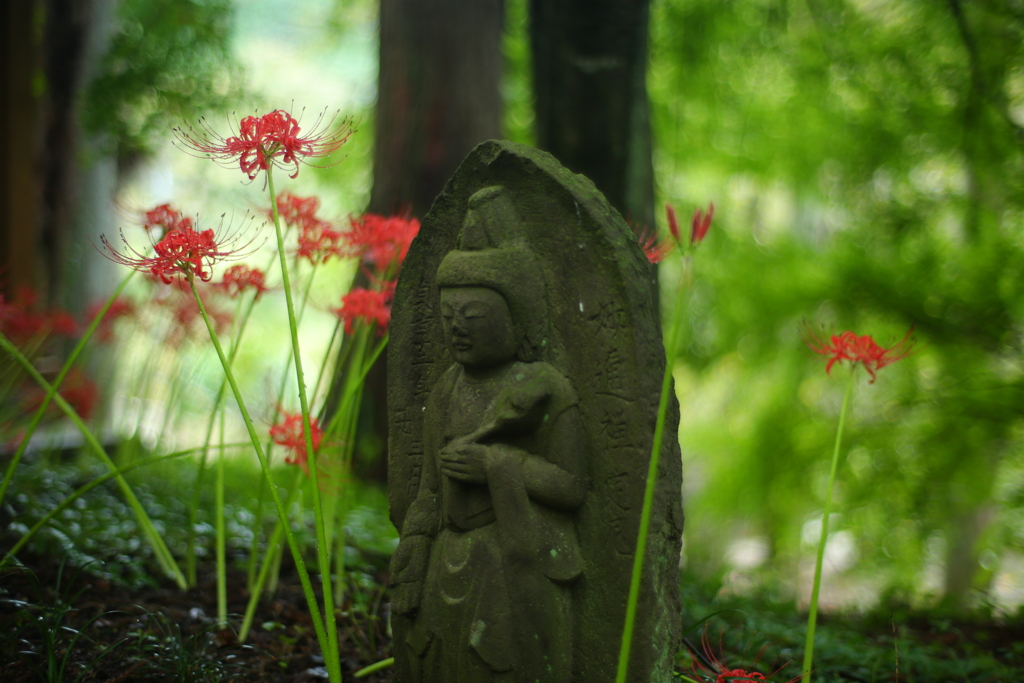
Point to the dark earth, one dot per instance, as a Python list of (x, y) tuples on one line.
[(100, 631)]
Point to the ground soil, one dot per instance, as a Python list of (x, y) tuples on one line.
[(162, 633)]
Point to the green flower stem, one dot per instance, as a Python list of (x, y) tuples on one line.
[(75, 352), (258, 520), (376, 666), (652, 475), (268, 561), (85, 488), (163, 555), (341, 508), (331, 655), (300, 564), (343, 416), (348, 415), (222, 564), (327, 359), (173, 402), (193, 510), (812, 614), (254, 553)]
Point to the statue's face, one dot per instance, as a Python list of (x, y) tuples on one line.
[(477, 327)]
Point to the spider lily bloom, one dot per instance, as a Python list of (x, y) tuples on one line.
[(289, 434), (296, 211), (654, 249), (238, 278), (318, 242), (80, 392), (273, 138), (857, 349), (183, 311), (699, 225), (181, 252), (381, 240), (673, 224), (721, 673), (21, 324), (366, 305), (166, 218)]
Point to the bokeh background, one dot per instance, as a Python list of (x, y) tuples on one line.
[(866, 161)]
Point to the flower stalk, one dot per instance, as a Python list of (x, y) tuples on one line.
[(812, 613), (330, 645), (652, 475), (160, 550), (655, 252), (55, 386), (856, 350), (300, 564)]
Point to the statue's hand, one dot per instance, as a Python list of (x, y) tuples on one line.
[(465, 462), (408, 572)]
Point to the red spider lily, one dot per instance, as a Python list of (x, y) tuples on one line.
[(673, 224), (318, 242), (239, 278), (21, 324), (654, 249), (289, 434), (385, 287), (78, 390), (264, 140), (857, 349), (381, 240), (188, 321), (713, 670), (180, 252), (62, 323), (699, 225), (167, 218), (365, 305), (297, 211), (120, 308)]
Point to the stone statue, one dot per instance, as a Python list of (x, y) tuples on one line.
[(525, 364)]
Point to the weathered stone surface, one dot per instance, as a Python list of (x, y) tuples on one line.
[(524, 375)]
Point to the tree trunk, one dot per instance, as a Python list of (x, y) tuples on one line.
[(589, 71), (439, 96), (19, 114), (66, 40)]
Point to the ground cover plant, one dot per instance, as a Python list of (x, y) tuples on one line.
[(89, 594), (150, 630), (759, 630)]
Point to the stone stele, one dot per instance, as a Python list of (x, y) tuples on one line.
[(525, 370)]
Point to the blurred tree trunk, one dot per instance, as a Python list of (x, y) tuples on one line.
[(19, 114), (438, 97), (66, 39), (589, 72), (48, 47)]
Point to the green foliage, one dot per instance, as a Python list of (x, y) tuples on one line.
[(100, 531), (517, 81), (171, 654), (48, 618), (866, 159), (886, 644), (169, 61)]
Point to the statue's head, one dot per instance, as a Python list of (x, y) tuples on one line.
[(478, 327), (493, 304)]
